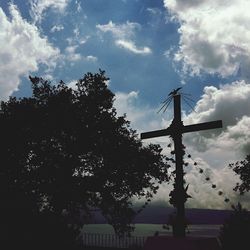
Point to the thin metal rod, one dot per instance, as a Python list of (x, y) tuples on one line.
[(165, 105), (189, 104), (169, 98), (190, 99)]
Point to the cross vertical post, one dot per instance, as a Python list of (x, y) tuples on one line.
[(179, 226)]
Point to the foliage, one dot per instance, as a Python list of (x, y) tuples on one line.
[(24, 228), (236, 230), (69, 152), (242, 168)]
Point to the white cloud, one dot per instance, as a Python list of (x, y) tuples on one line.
[(142, 117), (38, 7), (154, 11), (125, 103), (237, 137), (129, 45), (231, 104), (214, 35), (120, 31), (78, 6), (123, 34), (71, 55), (56, 28), (91, 58), (23, 48), (77, 38)]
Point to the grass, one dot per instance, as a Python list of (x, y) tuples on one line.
[(150, 229)]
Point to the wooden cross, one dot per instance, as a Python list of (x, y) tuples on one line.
[(175, 130)]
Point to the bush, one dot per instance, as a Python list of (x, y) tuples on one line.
[(235, 232)]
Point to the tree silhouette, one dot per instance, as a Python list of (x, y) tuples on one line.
[(235, 231), (69, 152), (242, 168)]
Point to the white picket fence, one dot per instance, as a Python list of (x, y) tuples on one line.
[(111, 240)]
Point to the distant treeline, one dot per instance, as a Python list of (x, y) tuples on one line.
[(159, 214)]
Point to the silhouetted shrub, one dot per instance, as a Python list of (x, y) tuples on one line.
[(242, 168), (235, 232), (22, 227)]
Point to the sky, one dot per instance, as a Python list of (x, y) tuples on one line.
[(147, 48)]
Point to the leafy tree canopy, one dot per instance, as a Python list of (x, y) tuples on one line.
[(68, 151), (242, 168)]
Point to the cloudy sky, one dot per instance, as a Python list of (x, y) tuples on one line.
[(147, 48)]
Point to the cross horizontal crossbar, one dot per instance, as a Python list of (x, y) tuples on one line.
[(184, 129), (202, 126), (156, 133)]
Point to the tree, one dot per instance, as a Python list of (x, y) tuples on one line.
[(69, 152), (235, 231), (242, 168)]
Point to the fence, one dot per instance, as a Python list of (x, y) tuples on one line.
[(111, 240)]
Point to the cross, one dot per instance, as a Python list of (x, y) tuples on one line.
[(175, 130)]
